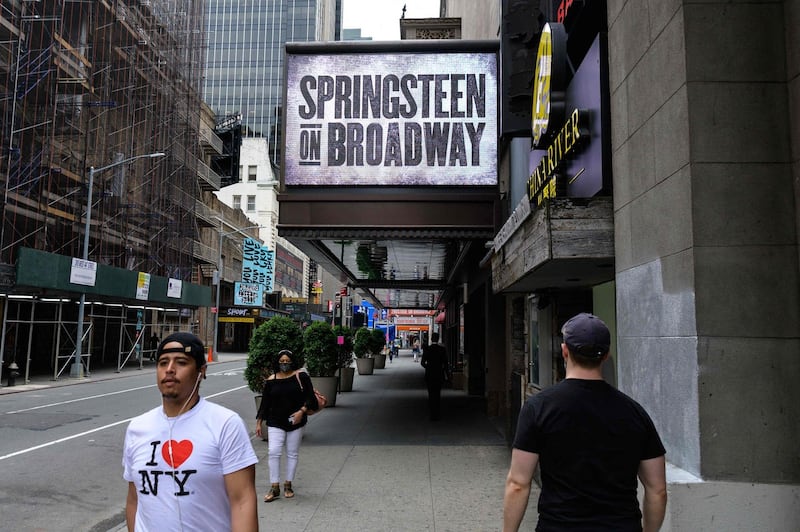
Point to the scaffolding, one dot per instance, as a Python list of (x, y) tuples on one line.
[(91, 83)]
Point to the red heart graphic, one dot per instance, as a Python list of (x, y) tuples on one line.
[(181, 450)]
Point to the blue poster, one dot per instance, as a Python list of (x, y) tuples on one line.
[(258, 264), (248, 294)]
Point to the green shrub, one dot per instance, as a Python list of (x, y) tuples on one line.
[(344, 351), (377, 340), (268, 339), (361, 342), (322, 358)]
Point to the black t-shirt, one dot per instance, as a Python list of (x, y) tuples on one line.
[(590, 439)]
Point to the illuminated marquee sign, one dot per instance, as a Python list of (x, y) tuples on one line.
[(391, 119)]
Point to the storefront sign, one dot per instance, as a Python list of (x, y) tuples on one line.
[(542, 183), (576, 155), (83, 272), (391, 119), (547, 111)]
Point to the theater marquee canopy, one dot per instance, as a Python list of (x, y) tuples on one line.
[(389, 171), (390, 118)]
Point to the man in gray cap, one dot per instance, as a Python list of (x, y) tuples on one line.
[(189, 463), (591, 443)]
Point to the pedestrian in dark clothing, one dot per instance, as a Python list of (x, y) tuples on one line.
[(154, 340), (591, 442), (434, 360)]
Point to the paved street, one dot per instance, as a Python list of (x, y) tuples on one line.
[(372, 462)]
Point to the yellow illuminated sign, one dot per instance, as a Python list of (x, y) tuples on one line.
[(540, 112), (542, 183)]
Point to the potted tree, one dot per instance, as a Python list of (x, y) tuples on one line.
[(344, 352), (268, 339), (377, 340), (322, 358), (364, 363)]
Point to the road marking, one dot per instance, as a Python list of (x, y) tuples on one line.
[(98, 429), (222, 373), (81, 399)]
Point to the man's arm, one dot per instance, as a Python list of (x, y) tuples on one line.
[(653, 475), (130, 507), (518, 488), (241, 488)]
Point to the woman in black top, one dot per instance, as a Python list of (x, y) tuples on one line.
[(288, 395)]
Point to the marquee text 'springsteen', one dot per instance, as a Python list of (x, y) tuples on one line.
[(392, 97)]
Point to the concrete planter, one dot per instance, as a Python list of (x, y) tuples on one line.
[(327, 387), (380, 361), (365, 366), (346, 379)]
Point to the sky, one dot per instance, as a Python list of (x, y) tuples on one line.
[(380, 19)]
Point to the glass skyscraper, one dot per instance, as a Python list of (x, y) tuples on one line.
[(244, 65)]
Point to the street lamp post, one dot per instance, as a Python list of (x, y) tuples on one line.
[(219, 276), (77, 370)]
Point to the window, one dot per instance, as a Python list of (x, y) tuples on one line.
[(252, 174), (251, 203), (237, 202)]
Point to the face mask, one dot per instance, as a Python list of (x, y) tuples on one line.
[(285, 368)]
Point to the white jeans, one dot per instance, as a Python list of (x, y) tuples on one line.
[(277, 439)]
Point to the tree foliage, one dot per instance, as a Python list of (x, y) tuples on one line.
[(321, 355), (361, 342), (268, 339), (376, 341)]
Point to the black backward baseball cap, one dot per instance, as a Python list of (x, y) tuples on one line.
[(192, 346), (586, 335)]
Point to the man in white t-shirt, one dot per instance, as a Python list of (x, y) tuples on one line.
[(189, 463)]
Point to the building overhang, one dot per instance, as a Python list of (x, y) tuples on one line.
[(566, 243), (402, 248)]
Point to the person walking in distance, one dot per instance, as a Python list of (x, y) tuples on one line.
[(434, 360), (189, 463), (287, 397), (415, 349), (590, 442)]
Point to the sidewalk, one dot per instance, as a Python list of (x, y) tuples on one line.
[(376, 462)]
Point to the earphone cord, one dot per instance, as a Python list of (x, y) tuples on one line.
[(169, 447)]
